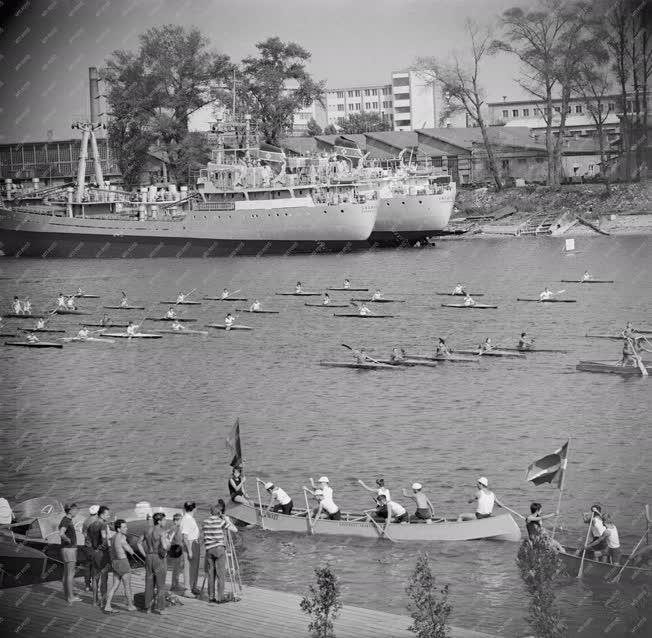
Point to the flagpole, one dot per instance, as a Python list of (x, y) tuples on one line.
[(561, 486)]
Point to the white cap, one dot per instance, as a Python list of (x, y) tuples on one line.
[(416, 486), (323, 479), (269, 486), (483, 481), (93, 509)]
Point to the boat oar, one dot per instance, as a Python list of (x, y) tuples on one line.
[(616, 578), (187, 294), (511, 511), (639, 361), (260, 502), (311, 526), (354, 350), (381, 530), (580, 571)]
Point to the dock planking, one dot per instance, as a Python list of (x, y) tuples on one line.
[(261, 613)]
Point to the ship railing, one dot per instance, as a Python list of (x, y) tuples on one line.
[(215, 206)]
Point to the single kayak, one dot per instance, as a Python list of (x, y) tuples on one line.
[(327, 305), (221, 326), (259, 312), (124, 307), (613, 337), (350, 289), (451, 359), (185, 331), (548, 300), (225, 298), (367, 365), (535, 350), (179, 319), (380, 300), (459, 294), (477, 306), (181, 303), (84, 296), (41, 330), (37, 344), (105, 325), (494, 353), (587, 281), (359, 316), (609, 366), (13, 315), (67, 311), (409, 363), (124, 335), (89, 339), (298, 294)]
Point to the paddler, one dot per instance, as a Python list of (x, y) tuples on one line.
[(587, 276), (347, 283), (597, 546), (326, 490), (364, 310), (237, 487), (181, 297), (61, 301), (468, 300), (284, 503), (27, 306), (132, 329), (360, 356), (40, 324), (32, 338), (525, 342), (255, 306), (442, 349), (459, 290), (298, 288), (425, 511), (79, 292), (17, 306), (395, 512), (229, 320), (105, 320), (628, 330), (486, 345), (486, 499), (225, 293), (83, 333), (325, 505), (124, 302), (326, 299), (70, 303), (177, 326), (170, 314), (377, 295), (397, 356), (546, 294), (379, 490)]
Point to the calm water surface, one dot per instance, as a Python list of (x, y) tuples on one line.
[(147, 420)]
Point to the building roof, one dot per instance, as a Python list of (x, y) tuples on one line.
[(397, 139), (532, 102), (358, 138), (299, 145), (583, 119), (470, 138)]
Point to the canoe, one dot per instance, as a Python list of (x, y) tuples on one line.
[(369, 365), (595, 570), (608, 366), (124, 335), (124, 307), (493, 353), (409, 363), (259, 312), (105, 325), (380, 300), (500, 527), (328, 305), (221, 326), (459, 294), (181, 303), (535, 350), (478, 306), (359, 316), (179, 319), (89, 339), (298, 294), (588, 281), (13, 315), (84, 296), (38, 344), (185, 331), (350, 289), (41, 330), (67, 311), (225, 298), (452, 359), (548, 300)]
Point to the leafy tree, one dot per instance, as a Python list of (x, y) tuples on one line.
[(460, 83), (330, 130), (539, 566), (313, 128), (275, 85), (428, 605), (364, 123), (323, 603), (188, 156)]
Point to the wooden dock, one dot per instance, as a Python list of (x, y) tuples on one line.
[(40, 610)]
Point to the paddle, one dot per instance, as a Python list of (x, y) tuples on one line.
[(381, 530), (260, 502), (311, 526), (187, 294), (586, 540), (354, 350), (616, 578)]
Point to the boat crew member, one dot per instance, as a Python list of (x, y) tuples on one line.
[(525, 342), (486, 345), (298, 288), (326, 299), (328, 503), (468, 300), (425, 511), (229, 320), (587, 276), (40, 324), (628, 330), (61, 301), (177, 326), (360, 356), (27, 306), (70, 303), (325, 505), (613, 542), (225, 293), (629, 352), (347, 283), (459, 290), (17, 306), (546, 294), (124, 303), (255, 306), (597, 547), (105, 320), (397, 356), (284, 503), (171, 314), (80, 292), (83, 333), (486, 499), (381, 489), (237, 488), (442, 349), (377, 295), (533, 521), (364, 310), (132, 329), (32, 338), (181, 297), (395, 512)]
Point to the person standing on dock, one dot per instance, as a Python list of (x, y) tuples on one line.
[(190, 536), (69, 552), (120, 550), (90, 519), (213, 532), (154, 544), (98, 534), (486, 499)]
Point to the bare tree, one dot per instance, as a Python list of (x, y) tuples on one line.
[(460, 83)]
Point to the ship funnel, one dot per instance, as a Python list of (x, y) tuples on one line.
[(93, 83)]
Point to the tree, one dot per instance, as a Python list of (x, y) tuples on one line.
[(461, 86), (267, 88), (313, 128), (330, 130), (428, 605), (323, 603), (188, 156), (365, 122), (550, 42), (539, 566)]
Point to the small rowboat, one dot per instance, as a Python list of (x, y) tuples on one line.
[(298, 294), (380, 300), (359, 316), (587, 281), (605, 571), (367, 365), (90, 339), (225, 298), (494, 353), (327, 305), (608, 366), (13, 315), (37, 344), (68, 311), (124, 307), (124, 335), (452, 359), (409, 363), (41, 330), (185, 331), (459, 294), (535, 350), (477, 306), (221, 326), (350, 289), (105, 325), (259, 312), (179, 319), (548, 300), (83, 296), (500, 527), (181, 303)]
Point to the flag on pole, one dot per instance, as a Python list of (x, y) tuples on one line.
[(549, 468), (233, 444)]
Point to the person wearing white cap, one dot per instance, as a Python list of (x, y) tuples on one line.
[(328, 506), (324, 495), (284, 503), (425, 511), (92, 511), (486, 499)]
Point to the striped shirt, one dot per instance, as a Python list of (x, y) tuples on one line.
[(213, 531)]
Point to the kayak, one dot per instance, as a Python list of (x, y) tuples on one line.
[(548, 300), (459, 294), (179, 319), (67, 311), (91, 339), (478, 306), (124, 335), (494, 353), (38, 344), (124, 307), (221, 326), (368, 365), (13, 315), (499, 527), (350, 289), (535, 350), (181, 303), (84, 296), (380, 300), (614, 337), (8, 334), (185, 331), (259, 312), (409, 363), (359, 316), (609, 366), (105, 325), (41, 330), (225, 298), (298, 294), (452, 359), (588, 281), (328, 305)]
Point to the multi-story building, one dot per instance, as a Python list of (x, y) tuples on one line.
[(351, 100)]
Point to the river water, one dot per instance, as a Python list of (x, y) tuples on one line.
[(147, 420)]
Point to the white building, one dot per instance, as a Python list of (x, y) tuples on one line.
[(350, 100)]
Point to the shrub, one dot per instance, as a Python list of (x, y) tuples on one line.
[(323, 603), (428, 605)]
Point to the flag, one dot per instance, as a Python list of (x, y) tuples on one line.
[(233, 444), (269, 153), (549, 468)]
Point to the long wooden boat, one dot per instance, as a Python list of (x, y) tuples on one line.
[(367, 365), (587, 281), (298, 294), (185, 331), (124, 335), (536, 350), (68, 311), (37, 344), (359, 316), (49, 330), (477, 306), (168, 319), (451, 359), (221, 326), (459, 294), (350, 289), (327, 305), (13, 315), (259, 312), (383, 300), (500, 527), (493, 353), (181, 303), (547, 300), (605, 571), (225, 298), (609, 366), (124, 307)]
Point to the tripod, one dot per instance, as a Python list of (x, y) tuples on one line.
[(233, 567)]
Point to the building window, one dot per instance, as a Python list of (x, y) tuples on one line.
[(522, 160), (402, 109), (367, 92), (514, 112), (402, 96), (387, 104), (578, 108), (557, 109), (526, 112), (350, 93), (505, 113), (374, 105), (437, 162), (387, 90), (340, 107), (505, 164), (611, 106), (356, 107), (403, 122), (367, 105), (374, 91), (357, 93), (401, 81), (340, 94)]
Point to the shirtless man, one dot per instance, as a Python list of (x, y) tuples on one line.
[(119, 551)]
